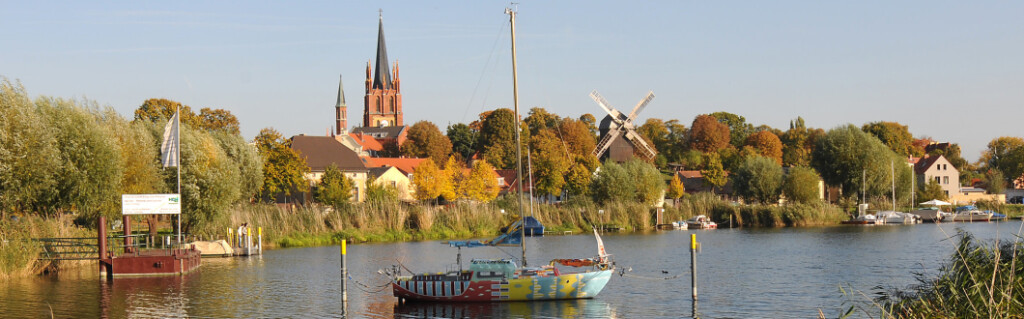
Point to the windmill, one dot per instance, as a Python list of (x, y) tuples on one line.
[(619, 125)]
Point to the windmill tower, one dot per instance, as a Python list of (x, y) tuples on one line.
[(619, 139)]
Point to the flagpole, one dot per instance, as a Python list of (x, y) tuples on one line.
[(177, 156)]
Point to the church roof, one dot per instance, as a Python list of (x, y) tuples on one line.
[(341, 93), (382, 78)]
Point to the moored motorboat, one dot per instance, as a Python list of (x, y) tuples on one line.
[(969, 213), (701, 222), (890, 217), (865, 219)]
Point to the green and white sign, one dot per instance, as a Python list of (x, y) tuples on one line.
[(150, 204)]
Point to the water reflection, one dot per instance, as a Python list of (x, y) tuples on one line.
[(583, 308)]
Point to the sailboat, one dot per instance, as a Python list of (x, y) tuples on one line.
[(492, 280), (894, 217)]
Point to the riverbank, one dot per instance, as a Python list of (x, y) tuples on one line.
[(17, 250)]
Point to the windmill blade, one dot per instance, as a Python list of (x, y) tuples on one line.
[(640, 106), (606, 142), (606, 106), (639, 142)]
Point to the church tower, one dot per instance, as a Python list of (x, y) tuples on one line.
[(341, 111), (383, 100)]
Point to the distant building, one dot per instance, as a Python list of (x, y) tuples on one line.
[(383, 100), (693, 182), (937, 168), (390, 176), (321, 152)]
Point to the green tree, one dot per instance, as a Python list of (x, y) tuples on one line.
[(1005, 154), (995, 183), (801, 185), (498, 139), (88, 179), (425, 140), (708, 135), (649, 186), (209, 179), (334, 189), (895, 136), (930, 191), (246, 160), (580, 175), (427, 180), (612, 184), (29, 158), (218, 119), (283, 169), (845, 154), (692, 160), (482, 183), (463, 139), (591, 122), (766, 144), (378, 193), (758, 179), (539, 119), (714, 174), (739, 129)]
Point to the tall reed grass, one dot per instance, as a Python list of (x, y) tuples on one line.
[(18, 253)]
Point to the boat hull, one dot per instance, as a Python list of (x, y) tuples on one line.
[(564, 286)]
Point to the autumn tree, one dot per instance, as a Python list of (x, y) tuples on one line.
[(425, 140), (739, 129), (708, 135), (218, 119), (156, 110), (766, 144), (283, 169), (580, 175), (796, 144), (576, 137), (714, 174), (675, 189), (450, 180), (482, 183), (334, 189), (801, 185), (463, 140), (426, 179), (895, 136), (995, 183), (550, 163)]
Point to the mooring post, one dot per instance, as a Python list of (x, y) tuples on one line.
[(101, 241), (126, 223), (344, 280), (259, 239), (693, 264)]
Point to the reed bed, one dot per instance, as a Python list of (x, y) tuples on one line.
[(18, 252)]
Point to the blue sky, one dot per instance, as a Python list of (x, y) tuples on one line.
[(950, 70)]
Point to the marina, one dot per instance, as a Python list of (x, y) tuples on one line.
[(747, 272)]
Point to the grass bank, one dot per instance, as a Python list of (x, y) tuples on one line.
[(979, 280), (17, 250)]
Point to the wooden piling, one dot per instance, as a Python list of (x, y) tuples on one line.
[(693, 264), (126, 223)]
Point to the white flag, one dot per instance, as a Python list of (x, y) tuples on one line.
[(169, 148)]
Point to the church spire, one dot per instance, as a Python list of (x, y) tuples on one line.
[(340, 110), (382, 77)]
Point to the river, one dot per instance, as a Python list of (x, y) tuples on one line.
[(742, 273)]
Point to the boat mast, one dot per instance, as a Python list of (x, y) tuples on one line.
[(892, 167), (519, 156)]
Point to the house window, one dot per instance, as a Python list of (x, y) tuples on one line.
[(394, 184), (937, 180), (391, 105), (380, 106), (945, 180)]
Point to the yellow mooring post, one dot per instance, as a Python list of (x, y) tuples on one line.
[(231, 238), (344, 280), (259, 239), (693, 264)]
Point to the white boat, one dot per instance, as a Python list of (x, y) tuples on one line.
[(701, 222), (891, 217), (679, 224), (863, 219), (968, 213)]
